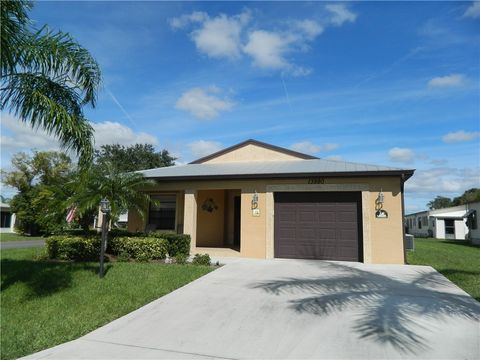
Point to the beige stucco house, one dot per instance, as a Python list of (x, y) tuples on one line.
[(262, 201)]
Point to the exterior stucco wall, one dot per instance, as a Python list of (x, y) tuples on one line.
[(383, 238), (252, 153)]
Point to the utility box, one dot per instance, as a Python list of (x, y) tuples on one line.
[(409, 242)]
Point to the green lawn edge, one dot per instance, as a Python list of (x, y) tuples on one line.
[(457, 260), (45, 303)]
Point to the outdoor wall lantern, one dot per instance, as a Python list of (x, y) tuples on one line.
[(105, 209), (255, 209), (255, 200), (379, 211)]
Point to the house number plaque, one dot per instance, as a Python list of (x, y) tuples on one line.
[(316, 180)]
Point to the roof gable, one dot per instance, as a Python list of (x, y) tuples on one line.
[(252, 150)]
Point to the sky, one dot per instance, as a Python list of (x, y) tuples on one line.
[(388, 83)]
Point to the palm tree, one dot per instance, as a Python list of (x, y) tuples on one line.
[(125, 191), (47, 78)]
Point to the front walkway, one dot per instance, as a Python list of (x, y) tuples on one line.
[(295, 309), (21, 244)]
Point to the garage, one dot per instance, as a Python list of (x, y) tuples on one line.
[(318, 225)]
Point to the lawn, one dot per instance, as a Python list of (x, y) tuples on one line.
[(47, 303), (17, 237), (459, 261)]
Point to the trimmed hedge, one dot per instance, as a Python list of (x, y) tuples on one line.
[(177, 243), (73, 247), (139, 248)]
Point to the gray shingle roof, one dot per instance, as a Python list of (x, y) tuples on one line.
[(262, 169)]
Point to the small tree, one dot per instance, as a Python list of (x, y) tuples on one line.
[(133, 158), (124, 190), (439, 202), (40, 181)]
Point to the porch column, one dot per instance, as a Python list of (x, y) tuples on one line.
[(190, 216)]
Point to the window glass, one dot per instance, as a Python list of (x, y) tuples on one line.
[(162, 216), (449, 227)]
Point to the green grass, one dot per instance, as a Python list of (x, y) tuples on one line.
[(46, 303), (459, 261), (17, 237)]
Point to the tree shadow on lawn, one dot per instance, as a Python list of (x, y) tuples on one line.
[(391, 311), (43, 278)]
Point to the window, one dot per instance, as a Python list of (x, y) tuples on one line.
[(433, 222), (162, 216), (419, 222), (449, 227), (6, 219)]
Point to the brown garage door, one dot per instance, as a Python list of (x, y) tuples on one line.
[(324, 226)]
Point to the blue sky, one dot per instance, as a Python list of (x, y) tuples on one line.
[(386, 83)]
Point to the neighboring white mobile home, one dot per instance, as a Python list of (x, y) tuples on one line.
[(455, 223)]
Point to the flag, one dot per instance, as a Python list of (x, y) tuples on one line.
[(71, 214)]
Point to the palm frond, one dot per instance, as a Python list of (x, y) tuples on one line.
[(52, 106), (13, 18), (61, 57)]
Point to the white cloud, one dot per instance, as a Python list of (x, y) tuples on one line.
[(460, 136), (184, 20), (453, 80), (443, 180), (235, 36), (310, 148), (22, 137), (110, 132), (203, 148), (330, 147), (401, 155), (310, 28), (203, 103), (473, 11), (340, 13), (216, 37), (267, 49)]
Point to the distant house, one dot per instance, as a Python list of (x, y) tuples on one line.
[(455, 223), (7, 219)]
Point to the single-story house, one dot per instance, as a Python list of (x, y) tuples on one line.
[(455, 223), (7, 219), (262, 201)]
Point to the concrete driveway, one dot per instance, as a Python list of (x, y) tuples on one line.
[(295, 309)]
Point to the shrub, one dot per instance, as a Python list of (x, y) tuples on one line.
[(181, 259), (139, 248), (177, 243), (73, 247), (201, 259)]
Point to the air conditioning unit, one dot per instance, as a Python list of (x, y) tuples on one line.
[(409, 242)]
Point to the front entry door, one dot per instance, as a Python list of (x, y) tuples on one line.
[(236, 221)]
